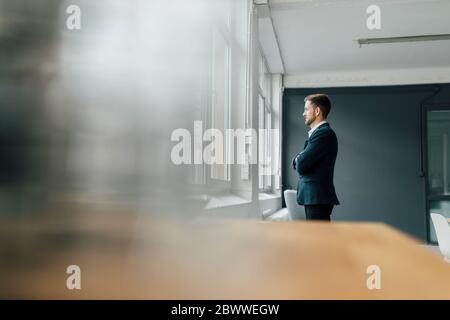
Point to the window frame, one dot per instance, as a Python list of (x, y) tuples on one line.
[(265, 93)]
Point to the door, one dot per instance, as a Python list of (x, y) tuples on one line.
[(438, 164)]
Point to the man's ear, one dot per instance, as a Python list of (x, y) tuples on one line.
[(317, 111)]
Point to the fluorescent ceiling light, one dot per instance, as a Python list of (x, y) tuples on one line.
[(432, 37)]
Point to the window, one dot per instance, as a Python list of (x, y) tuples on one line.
[(220, 104), (225, 90), (265, 126), (438, 138)]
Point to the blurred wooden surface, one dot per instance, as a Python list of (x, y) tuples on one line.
[(131, 257)]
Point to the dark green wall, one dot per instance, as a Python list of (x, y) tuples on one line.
[(377, 168)]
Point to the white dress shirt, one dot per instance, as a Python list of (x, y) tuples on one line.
[(310, 132)]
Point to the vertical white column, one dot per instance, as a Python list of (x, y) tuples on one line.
[(444, 162)]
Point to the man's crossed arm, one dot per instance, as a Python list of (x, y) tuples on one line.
[(312, 154)]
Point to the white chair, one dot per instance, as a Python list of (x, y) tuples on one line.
[(442, 230), (295, 211)]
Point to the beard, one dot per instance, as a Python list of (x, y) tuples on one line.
[(309, 121)]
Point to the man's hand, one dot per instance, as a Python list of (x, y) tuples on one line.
[(294, 161)]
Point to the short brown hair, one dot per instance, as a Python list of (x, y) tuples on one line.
[(320, 100)]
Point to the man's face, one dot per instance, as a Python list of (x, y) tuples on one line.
[(309, 114)]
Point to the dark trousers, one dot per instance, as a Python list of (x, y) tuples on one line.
[(318, 212)]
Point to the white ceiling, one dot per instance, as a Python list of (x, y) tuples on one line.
[(317, 36)]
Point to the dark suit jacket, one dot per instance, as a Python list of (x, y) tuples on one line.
[(315, 166)]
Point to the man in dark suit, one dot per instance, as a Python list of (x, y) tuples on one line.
[(315, 164)]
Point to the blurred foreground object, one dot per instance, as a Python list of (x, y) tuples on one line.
[(124, 256), (86, 115)]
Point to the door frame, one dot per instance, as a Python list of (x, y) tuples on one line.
[(426, 108)]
